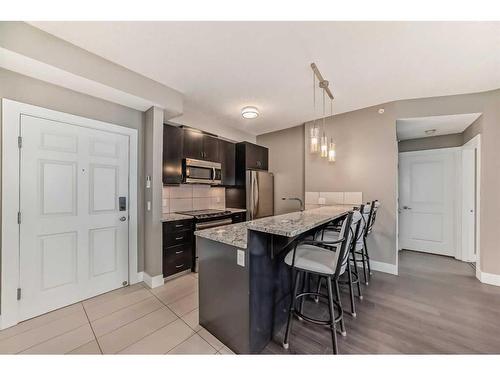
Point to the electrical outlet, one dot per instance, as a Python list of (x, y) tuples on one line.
[(240, 258)]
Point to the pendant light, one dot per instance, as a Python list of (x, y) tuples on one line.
[(314, 131), (324, 138), (331, 147)]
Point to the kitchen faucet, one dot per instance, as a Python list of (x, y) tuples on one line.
[(295, 199)]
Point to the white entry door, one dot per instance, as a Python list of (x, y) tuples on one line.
[(427, 201), (73, 232)]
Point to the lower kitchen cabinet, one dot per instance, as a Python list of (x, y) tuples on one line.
[(178, 245)]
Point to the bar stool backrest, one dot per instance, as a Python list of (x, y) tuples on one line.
[(371, 216), (349, 230), (361, 225)]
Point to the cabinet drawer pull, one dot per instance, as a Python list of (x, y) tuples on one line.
[(179, 252), (179, 266), (179, 225), (178, 238)]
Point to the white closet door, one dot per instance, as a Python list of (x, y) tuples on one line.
[(73, 237), (427, 199)]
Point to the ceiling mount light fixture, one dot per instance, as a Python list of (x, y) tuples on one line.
[(249, 112)]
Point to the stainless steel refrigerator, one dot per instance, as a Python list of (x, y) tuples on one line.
[(259, 194)]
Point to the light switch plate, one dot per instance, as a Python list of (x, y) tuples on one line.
[(240, 258)]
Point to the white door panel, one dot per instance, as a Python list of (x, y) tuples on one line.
[(73, 244), (427, 186)]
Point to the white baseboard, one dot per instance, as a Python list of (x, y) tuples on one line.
[(489, 278), (384, 267), (152, 281)]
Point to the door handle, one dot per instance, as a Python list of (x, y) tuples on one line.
[(406, 208), (123, 218)]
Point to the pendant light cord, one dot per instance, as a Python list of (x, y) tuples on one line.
[(314, 99)]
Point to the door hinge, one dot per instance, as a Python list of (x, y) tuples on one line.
[(19, 217), (18, 294), (19, 141)]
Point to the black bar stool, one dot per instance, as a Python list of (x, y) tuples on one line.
[(328, 260), (369, 216), (353, 279)]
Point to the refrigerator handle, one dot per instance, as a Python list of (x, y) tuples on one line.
[(256, 199), (251, 194)]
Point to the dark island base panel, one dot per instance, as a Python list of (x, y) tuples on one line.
[(244, 307)]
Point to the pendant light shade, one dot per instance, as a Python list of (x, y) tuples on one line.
[(331, 151), (324, 146), (314, 139)]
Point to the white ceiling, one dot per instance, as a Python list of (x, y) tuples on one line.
[(411, 128), (223, 66)]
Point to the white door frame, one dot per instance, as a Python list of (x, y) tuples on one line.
[(11, 113), (457, 216), (475, 143)]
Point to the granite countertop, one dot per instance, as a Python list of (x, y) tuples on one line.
[(288, 225), (232, 234), (174, 217), (295, 223), (235, 210)]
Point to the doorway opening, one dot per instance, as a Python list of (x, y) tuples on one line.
[(438, 186)]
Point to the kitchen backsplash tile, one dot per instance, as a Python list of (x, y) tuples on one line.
[(201, 191), (181, 204), (201, 203), (181, 191), (192, 197)]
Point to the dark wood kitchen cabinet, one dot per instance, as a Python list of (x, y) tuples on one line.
[(228, 155), (178, 246), (172, 154), (211, 148), (201, 146), (250, 156), (193, 144)]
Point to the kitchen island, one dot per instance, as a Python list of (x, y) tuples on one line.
[(244, 284)]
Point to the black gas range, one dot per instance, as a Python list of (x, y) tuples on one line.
[(204, 219)]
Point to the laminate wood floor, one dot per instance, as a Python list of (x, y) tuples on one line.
[(434, 306)]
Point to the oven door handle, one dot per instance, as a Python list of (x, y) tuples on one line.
[(214, 223), (213, 173)]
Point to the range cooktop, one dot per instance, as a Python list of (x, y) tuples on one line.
[(203, 214)]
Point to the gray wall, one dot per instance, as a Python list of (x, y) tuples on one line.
[(367, 155), (153, 160), (431, 143), (31, 91), (286, 161)]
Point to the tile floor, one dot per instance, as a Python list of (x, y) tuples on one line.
[(131, 320)]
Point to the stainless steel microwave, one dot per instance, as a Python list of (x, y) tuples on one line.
[(201, 172)]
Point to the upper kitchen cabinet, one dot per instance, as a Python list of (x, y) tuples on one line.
[(201, 146), (211, 148), (172, 154), (228, 154), (193, 144), (252, 156)]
